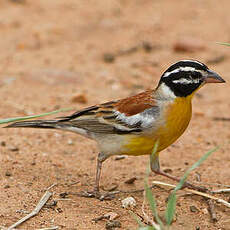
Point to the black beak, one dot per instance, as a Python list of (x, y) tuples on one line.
[(213, 77)]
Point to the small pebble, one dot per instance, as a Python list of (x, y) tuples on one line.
[(112, 224), (63, 194), (128, 202), (188, 45), (205, 211), (99, 218), (193, 208), (6, 186), (199, 114), (8, 174), (131, 180), (59, 210), (3, 143), (168, 170), (70, 142), (108, 57), (13, 148), (121, 157), (80, 98), (111, 215), (147, 46), (51, 204), (56, 107)]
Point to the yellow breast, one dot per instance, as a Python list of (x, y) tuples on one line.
[(176, 119)]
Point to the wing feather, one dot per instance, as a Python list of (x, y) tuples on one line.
[(117, 117)]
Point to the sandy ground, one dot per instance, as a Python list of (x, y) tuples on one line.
[(54, 54)]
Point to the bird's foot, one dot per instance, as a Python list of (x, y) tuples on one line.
[(195, 187), (98, 195), (186, 184)]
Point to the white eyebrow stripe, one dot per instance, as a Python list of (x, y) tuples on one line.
[(179, 69), (186, 81)]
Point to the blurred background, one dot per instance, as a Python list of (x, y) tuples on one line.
[(117, 46), (60, 54)]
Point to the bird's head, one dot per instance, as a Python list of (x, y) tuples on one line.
[(185, 77)]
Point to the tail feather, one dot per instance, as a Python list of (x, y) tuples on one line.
[(45, 124), (49, 124)]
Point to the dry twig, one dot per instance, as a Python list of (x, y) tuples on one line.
[(224, 202), (211, 184), (50, 228), (39, 206), (227, 190), (51, 186)]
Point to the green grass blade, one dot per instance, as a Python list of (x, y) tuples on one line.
[(171, 208), (7, 120), (171, 205), (195, 165), (153, 155), (152, 204), (148, 192), (146, 228), (155, 148), (223, 43)]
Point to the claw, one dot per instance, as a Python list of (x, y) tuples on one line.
[(97, 195), (191, 186)]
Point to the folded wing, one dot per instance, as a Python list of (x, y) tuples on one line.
[(125, 116)]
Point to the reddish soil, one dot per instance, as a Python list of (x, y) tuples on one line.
[(51, 56)]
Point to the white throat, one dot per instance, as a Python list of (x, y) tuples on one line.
[(165, 92)]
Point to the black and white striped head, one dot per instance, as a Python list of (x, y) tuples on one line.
[(185, 76)]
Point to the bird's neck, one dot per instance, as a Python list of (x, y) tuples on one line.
[(163, 92)]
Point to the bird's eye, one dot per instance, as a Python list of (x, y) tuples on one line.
[(191, 78)]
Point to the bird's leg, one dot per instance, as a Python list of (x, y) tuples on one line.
[(155, 167), (100, 159), (96, 193)]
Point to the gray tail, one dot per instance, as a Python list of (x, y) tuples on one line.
[(44, 124)]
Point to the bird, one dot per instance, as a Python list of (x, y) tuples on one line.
[(132, 126)]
